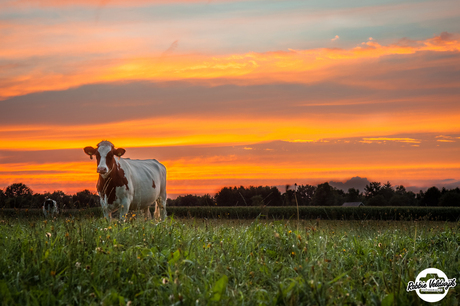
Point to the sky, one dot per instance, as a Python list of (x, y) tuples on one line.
[(231, 93)]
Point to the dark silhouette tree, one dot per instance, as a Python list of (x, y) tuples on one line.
[(305, 194), (324, 195), (17, 190), (450, 198), (372, 189), (431, 197), (353, 195)]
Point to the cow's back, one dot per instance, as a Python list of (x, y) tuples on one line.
[(146, 181)]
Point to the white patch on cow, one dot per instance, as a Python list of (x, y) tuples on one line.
[(124, 198), (105, 206), (50, 209), (103, 150)]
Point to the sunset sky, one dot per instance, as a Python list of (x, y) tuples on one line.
[(230, 93)]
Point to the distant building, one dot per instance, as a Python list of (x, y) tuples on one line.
[(353, 204)]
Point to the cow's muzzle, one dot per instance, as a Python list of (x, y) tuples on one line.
[(101, 170)]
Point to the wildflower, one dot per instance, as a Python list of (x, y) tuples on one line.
[(52, 273), (277, 235), (289, 232), (293, 253), (165, 281), (77, 265), (48, 235)]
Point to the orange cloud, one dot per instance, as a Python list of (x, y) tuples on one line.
[(299, 66), (198, 175), (232, 130)]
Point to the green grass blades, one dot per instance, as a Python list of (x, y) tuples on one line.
[(91, 261)]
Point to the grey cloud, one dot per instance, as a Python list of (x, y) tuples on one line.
[(355, 182), (105, 103)]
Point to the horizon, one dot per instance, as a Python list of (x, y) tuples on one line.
[(232, 93)]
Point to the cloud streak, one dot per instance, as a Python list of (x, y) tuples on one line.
[(304, 66), (201, 169)]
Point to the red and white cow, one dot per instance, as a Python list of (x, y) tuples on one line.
[(128, 184)]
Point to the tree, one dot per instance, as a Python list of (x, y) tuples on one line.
[(378, 200), (2, 198), (17, 190), (257, 200), (353, 195), (324, 195), (387, 191), (397, 200), (84, 199), (401, 190), (431, 197), (450, 198), (305, 194), (228, 196), (372, 189)]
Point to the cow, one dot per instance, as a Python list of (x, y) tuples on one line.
[(128, 184), (50, 208)]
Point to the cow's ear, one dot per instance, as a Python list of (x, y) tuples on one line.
[(119, 152), (90, 151)]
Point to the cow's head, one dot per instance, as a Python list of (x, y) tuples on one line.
[(105, 155)]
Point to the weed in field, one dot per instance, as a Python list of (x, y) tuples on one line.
[(201, 261)]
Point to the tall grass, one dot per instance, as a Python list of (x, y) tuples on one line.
[(201, 262)]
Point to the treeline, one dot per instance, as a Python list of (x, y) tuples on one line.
[(374, 194), (19, 195)]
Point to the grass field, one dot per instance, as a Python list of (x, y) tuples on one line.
[(222, 262)]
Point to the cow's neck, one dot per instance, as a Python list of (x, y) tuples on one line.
[(107, 179)]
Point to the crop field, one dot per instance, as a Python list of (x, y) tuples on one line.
[(86, 261)]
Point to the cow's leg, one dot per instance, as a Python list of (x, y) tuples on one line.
[(163, 200), (124, 208), (163, 208), (147, 214), (157, 210)]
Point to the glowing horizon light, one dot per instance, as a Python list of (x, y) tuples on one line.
[(290, 92)]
